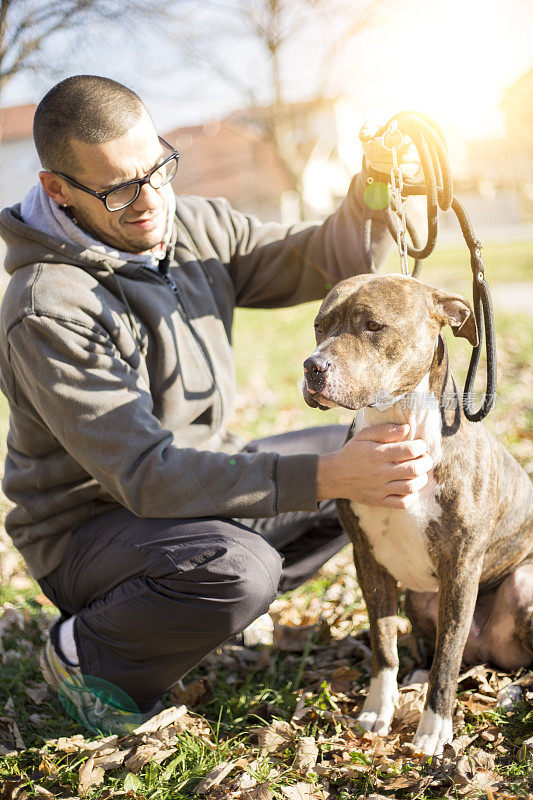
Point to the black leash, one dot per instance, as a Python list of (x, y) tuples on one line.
[(437, 185)]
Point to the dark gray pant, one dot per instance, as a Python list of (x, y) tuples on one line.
[(154, 596)]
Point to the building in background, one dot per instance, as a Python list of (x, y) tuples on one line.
[(500, 171), (233, 158)]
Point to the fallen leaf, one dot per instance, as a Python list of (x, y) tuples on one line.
[(131, 784), (40, 791), (306, 754), (68, 744), (214, 777), (9, 707), (38, 693), (492, 734), (20, 582), (111, 760), (140, 756), (161, 720), (89, 776), (410, 704), (43, 600), (47, 766), (190, 695), (10, 738), (303, 791), (9, 790), (274, 737)]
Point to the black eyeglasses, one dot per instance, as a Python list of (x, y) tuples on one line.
[(126, 193)]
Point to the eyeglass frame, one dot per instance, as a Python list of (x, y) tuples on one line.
[(140, 182)]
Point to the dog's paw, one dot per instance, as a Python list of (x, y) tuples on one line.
[(377, 721), (378, 709), (433, 733)]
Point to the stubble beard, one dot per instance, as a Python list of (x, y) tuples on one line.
[(124, 243)]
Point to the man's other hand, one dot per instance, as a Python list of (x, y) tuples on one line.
[(379, 155)]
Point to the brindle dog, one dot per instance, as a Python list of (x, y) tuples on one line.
[(464, 549)]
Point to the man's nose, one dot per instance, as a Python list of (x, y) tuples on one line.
[(315, 368), (147, 198)]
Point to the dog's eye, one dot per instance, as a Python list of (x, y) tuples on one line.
[(318, 329), (372, 325)]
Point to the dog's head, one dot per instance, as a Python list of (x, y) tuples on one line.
[(376, 336)]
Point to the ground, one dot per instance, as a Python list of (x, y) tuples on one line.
[(279, 721)]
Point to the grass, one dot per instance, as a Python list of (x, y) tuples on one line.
[(244, 695)]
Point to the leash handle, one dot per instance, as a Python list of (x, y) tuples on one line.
[(437, 186)]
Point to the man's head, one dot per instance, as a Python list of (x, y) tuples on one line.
[(98, 133)]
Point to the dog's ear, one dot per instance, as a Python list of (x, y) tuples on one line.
[(455, 310)]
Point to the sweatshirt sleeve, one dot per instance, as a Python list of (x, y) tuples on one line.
[(72, 380), (274, 265)]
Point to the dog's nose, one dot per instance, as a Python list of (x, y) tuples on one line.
[(315, 368)]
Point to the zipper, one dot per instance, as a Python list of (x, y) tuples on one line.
[(169, 280)]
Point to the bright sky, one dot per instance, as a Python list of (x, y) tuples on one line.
[(451, 59)]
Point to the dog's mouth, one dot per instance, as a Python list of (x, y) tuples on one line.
[(381, 400), (317, 399)]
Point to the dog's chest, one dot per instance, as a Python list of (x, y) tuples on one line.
[(398, 536)]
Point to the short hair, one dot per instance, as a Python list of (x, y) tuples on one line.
[(87, 108)]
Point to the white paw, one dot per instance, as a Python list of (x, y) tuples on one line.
[(433, 733), (377, 721), (378, 709)]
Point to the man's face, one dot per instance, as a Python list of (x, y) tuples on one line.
[(141, 225)]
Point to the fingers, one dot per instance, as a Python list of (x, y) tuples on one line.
[(403, 451), (368, 130), (379, 154), (407, 487), (409, 469), (395, 501), (387, 432)]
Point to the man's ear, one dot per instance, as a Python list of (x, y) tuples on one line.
[(54, 187), (455, 310)]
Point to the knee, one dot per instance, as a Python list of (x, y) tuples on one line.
[(253, 574), (228, 580)]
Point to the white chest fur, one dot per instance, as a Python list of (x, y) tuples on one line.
[(398, 536)]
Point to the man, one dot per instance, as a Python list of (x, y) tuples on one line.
[(136, 510)]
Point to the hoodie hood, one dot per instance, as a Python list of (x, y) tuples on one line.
[(38, 230)]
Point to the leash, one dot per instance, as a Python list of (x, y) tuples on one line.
[(437, 185)]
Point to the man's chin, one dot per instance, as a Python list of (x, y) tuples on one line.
[(143, 243)]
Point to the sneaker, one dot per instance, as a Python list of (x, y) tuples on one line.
[(98, 704)]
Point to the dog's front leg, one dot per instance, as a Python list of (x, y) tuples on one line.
[(381, 597), (457, 600)]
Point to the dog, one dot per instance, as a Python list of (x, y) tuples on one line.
[(463, 549)]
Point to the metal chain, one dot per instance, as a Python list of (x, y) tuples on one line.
[(401, 223)]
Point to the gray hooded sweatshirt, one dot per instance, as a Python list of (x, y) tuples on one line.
[(120, 377)]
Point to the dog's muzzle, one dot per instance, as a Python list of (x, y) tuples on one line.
[(315, 371)]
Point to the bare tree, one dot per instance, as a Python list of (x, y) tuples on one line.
[(283, 33), (30, 29)]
